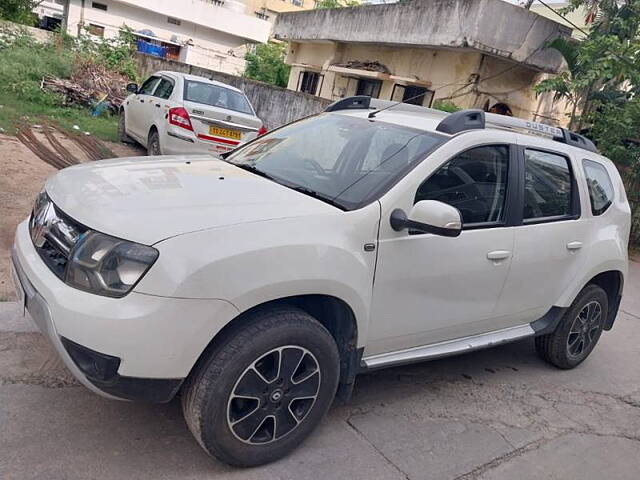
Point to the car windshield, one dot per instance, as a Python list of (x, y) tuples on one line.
[(344, 160), (216, 96)]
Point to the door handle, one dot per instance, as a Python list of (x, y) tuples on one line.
[(158, 105), (574, 245), (497, 255)]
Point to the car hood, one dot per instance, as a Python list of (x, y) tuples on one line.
[(147, 199)]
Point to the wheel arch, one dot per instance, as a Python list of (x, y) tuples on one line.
[(333, 313), (612, 282)]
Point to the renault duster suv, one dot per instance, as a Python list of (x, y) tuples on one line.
[(260, 284)]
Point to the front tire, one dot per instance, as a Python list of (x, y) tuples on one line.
[(263, 389), (122, 131), (153, 143), (578, 331)]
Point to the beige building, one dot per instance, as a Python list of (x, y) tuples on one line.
[(474, 53), (269, 9)]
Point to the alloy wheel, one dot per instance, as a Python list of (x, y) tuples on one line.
[(273, 395), (584, 329)]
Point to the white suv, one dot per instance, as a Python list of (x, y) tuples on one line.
[(259, 284), (176, 113)]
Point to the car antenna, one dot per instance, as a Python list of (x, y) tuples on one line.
[(373, 114)]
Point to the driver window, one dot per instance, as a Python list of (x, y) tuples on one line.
[(475, 182)]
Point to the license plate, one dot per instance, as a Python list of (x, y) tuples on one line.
[(225, 132), (18, 286)]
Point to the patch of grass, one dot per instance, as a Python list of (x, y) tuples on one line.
[(23, 64), (12, 113)]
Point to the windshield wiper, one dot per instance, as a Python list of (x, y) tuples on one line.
[(314, 194), (254, 169)]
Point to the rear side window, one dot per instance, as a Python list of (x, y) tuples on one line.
[(148, 86), (216, 96), (165, 87), (600, 186), (475, 182), (547, 185)]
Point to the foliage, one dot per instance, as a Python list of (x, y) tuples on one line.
[(602, 84), (19, 11), (114, 53), (23, 64), (266, 64), (446, 106), (325, 4)]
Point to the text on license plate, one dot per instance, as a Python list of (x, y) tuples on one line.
[(225, 132)]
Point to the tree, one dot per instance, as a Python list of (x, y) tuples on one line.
[(325, 4), (19, 11), (266, 64), (602, 83)]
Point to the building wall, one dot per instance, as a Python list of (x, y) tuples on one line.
[(468, 79), (208, 48)]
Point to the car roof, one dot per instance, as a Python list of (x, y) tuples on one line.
[(428, 119), (196, 78)]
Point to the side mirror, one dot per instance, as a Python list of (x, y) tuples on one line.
[(132, 87), (429, 216)]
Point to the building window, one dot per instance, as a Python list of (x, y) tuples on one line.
[(370, 88), (99, 6), (308, 82), (173, 21), (262, 14), (412, 94), (96, 30), (219, 3), (298, 3)]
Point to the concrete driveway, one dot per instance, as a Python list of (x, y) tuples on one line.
[(494, 414)]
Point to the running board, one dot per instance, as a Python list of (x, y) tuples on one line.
[(450, 347)]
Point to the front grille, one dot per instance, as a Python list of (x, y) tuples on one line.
[(59, 233), (54, 259)]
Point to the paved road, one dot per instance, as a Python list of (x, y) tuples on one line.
[(495, 414)]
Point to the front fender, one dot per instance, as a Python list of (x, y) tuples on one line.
[(253, 263)]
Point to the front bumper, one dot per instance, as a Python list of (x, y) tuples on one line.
[(156, 340)]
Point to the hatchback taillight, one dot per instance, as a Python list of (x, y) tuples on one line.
[(179, 117), (262, 131)]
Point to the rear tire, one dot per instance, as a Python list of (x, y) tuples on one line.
[(153, 143), (263, 389), (578, 331), (122, 131)]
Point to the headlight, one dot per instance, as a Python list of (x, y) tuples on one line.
[(107, 265)]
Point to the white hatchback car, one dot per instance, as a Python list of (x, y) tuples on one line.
[(260, 284), (176, 113)]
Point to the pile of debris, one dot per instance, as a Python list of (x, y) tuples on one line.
[(374, 66), (92, 85)]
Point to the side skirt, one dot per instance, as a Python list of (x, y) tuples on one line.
[(449, 347)]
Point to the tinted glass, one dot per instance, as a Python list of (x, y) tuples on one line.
[(343, 159), (547, 185), (148, 86), (165, 87), (600, 186), (475, 182), (216, 96)]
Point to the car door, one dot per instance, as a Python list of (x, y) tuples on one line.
[(138, 109), (430, 288), (159, 106), (548, 244)]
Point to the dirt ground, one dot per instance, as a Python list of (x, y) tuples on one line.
[(22, 175)]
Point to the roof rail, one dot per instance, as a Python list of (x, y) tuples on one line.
[(472, 119)]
